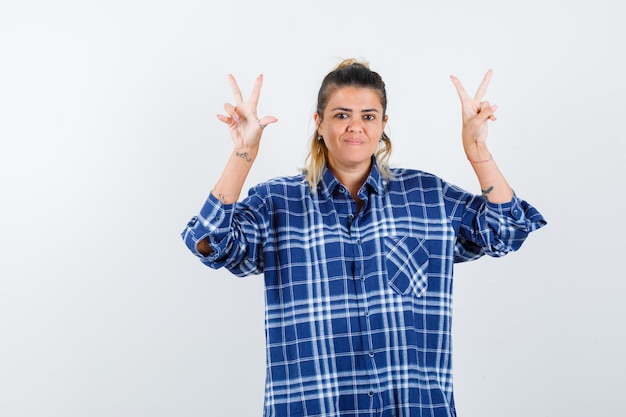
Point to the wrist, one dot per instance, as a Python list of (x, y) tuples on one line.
[(246, 148), (247, 153)]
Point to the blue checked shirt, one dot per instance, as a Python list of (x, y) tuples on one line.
[(358, 304)]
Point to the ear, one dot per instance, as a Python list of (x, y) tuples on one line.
[(385, 120), (318, 121)]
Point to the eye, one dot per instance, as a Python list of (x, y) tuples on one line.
[(369, 117), (341, 116)]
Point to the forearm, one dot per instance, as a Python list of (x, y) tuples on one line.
[(493, 185), (228, 187)]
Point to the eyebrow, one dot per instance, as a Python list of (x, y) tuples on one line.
[(350, 110)]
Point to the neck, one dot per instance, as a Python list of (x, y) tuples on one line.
[(352, 179)]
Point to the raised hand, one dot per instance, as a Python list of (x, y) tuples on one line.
[(475, 112), (242, 120)]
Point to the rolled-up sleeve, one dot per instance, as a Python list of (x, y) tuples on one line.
[(212, 223), (232, 232), (499, 228)]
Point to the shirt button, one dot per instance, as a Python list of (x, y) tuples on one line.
[(371, 354), (362, 278), (358, 241), (371, 393), (351, 216), (516, 212), (367, 314)]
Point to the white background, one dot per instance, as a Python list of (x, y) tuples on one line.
[(109, 144)]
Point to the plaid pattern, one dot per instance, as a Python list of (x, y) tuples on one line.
[(358, 305)]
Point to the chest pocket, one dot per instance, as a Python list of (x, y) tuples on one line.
[(407, 264)]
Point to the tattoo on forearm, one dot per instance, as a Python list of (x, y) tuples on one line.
[(487, 191), (243, 155)]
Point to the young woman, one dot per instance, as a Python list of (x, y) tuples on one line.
[(357, 256)]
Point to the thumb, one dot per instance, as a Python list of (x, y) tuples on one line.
[(266, 120)]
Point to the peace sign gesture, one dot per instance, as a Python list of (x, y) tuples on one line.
[(475, 112), (244, 124)]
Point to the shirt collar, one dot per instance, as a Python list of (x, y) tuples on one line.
[(374, 180)]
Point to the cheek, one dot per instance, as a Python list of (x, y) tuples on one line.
[(335, 129)]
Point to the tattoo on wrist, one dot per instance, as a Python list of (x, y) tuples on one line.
[(243, 155), (487, 191)]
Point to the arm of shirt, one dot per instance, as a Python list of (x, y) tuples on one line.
[(235, 245), (494, 229)]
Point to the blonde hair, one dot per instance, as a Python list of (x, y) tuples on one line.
[(349, 72)]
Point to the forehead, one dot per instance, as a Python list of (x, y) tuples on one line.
[(355, 98)]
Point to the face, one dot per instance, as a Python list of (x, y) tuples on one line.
[(352, 125)]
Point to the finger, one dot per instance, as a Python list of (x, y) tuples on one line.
[(493, 117), (256, 90), (482, 88), (225, 119), (266, 120), (229, 108), (235, 89), (487, 111), (459, 88), (231, 111)]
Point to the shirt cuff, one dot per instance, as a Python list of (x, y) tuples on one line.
[(522, 214), (212, 222)]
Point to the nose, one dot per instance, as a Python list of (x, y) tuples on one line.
[(355, 126)]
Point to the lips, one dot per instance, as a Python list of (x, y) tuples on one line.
[(354, 141)]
